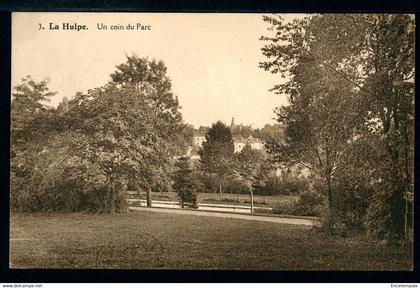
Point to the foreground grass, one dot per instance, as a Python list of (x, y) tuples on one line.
[(141, 240)]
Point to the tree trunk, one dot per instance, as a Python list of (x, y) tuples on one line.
[(220, 189), (252, 200), (331, 216), (149, 197), (183, 199), (329, 193), (407, 174), (112, 198), (328, 170)]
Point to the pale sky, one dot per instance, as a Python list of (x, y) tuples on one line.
[(212, 59)]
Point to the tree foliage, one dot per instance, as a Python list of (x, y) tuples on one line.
[(248, 167), (186, 184), (104, 138), (30, 114), (348, 83), (216, 154), (249, 163)]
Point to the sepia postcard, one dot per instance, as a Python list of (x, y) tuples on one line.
[(212, 141)]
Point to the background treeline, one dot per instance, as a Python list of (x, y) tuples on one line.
[(84, 154), (267, 133), (267, 183)]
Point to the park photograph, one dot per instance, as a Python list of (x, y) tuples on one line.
[(212, 141)]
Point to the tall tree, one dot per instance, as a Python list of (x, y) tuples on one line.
[(216, 154), (31, 129), (249, 164), (375, 54), (185, 184), (389, 87), (149, 80), (369, 57), (109, 128), (320, 119)]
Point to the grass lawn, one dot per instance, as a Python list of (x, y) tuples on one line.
[(241, 199), (141, 240)]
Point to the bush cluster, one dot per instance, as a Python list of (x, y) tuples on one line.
[(288, 186), (308, 204), (65, 186)]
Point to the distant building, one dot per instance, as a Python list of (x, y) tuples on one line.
[(241, 142), (199, 139)]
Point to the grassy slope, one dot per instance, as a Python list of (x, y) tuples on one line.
[(159, 240)]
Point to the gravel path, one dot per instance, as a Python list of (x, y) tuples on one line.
[(280, 220)]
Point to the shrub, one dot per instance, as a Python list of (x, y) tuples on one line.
[(351, 198), (286, 208), (235, 186), (209, 182), (309, 203), (287, 186), (188, 198), (66, 185), (385, 215), (20, 196), (224, 200)]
